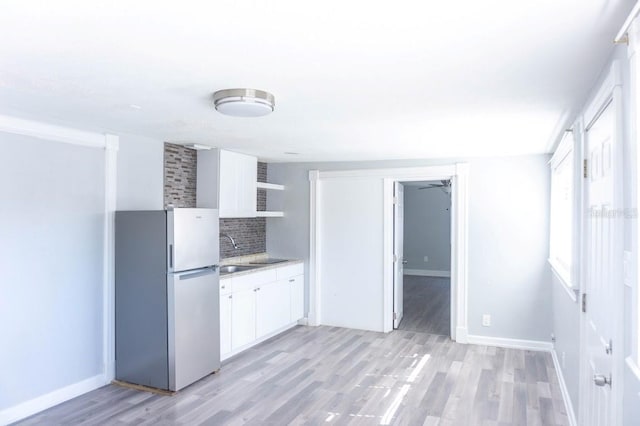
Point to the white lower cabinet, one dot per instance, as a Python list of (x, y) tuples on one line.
[(296, 293), (257, 305), (243, 318), (225, 323), (273, 307)]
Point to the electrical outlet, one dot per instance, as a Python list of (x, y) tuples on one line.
[(486, 320), (426, 259)]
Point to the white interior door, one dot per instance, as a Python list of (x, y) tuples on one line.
[(601, 261), (398, 258)]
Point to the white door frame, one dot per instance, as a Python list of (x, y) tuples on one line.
[(459, 175), (610, 92), (109, 143), (398, 248)]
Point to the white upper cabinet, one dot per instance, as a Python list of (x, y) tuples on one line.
[(238, 192), (227, 181)]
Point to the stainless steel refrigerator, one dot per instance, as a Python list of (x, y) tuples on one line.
[(167, 296)]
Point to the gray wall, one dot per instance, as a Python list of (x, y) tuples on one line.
[(140, 173), (508, 236), (566, 328), (51, 228), (427, 228)]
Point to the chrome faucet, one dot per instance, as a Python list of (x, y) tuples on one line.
[(233, 242)]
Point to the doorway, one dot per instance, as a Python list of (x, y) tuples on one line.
[(328, 192), (422, 251), (602, 291)]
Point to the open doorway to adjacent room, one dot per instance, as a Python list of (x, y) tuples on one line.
[(422, 240)]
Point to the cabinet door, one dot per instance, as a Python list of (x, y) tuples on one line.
[(273, 307), (247, 189), (296, 287), (243, 318), (225, 323), (238, 175)]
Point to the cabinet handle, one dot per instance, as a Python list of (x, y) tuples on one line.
[(231, 296), (223, 287), (292, 280)]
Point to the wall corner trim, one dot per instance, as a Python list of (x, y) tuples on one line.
[(563, 389), (58, 396)]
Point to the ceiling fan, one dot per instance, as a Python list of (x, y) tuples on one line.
[(445, 185)]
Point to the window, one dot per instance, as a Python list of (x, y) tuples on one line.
[(562, 212)]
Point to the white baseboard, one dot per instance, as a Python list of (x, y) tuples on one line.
[(58, 396), (462, 335), (501, 342), (427, 273), (303, 321), (568, 405)]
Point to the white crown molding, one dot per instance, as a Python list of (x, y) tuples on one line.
[(603, 96), (404, 173), (36, 129)]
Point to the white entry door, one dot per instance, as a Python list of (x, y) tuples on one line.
[(602, 261), (398, 251)]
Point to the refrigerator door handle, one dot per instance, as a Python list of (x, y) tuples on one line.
[(170, 255), (199, 273)]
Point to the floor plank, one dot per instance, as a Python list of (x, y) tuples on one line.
[(427, 305), (329, 375)]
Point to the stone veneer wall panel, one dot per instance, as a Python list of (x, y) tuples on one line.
[(180, 175)]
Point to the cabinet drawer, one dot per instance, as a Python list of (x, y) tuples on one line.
[(254, 279), (226, 285), (290, 271)]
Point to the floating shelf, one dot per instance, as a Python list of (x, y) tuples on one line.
[(264, 185), (269, 214)]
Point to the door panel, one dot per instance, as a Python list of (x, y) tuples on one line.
[(225, 323), (398, 250), (194, 333), (243, 318), (297, 297), (193, 241), (601, 263), (273, 307)]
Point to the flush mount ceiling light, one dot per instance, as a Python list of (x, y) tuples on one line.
[(243, 102)]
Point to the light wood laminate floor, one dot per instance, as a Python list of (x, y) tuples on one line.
[(328, 375), (427, 305)]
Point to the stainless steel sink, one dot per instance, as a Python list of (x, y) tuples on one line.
[(269, 261), (229, 269)]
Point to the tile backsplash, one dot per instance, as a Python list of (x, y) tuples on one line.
[(250, 235), (180, 173)]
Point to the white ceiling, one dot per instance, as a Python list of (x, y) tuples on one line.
[(353, 80)]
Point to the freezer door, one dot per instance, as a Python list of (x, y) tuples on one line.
[(193, 239), (194, 326)]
